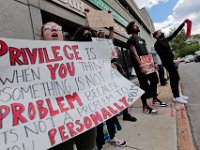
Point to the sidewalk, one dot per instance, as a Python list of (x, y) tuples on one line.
[(169, 130)]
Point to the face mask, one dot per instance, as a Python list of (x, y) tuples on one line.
[(162, 36), (136, 31), (87, 37)]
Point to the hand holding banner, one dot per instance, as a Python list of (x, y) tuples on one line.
[(52, 91)]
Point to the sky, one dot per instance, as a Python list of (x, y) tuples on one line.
[(167, 14)]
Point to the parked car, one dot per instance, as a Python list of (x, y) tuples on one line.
[(197, 56), (189, 58), (180, 59)]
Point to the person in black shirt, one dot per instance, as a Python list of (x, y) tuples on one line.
[(101, 34), (161, 72), (164, 50), (137, 47), (86, 33)]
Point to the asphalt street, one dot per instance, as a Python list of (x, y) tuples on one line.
[(190, 82)]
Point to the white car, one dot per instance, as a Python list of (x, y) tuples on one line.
[(189, 58)]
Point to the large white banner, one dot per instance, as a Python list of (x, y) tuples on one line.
[(51, 91)]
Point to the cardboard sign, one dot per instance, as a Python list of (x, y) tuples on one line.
[(52, 91), (98, 19), (148, 63)]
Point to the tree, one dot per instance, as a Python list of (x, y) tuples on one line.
[(181, 47), (178, 42), (196, 36), (188, 49)]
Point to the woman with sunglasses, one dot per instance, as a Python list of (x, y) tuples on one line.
[(86, 140)]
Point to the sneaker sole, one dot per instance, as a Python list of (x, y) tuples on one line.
[(179, 102), (119, 145), (159, 105), (152, 113)]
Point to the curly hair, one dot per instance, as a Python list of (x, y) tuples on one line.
[(78, 35), (130, 27)]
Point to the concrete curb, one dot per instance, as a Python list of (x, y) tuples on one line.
[(184, 135)]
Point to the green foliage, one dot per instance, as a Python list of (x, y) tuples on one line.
[(188, 49), (196, 36), (179, 45)]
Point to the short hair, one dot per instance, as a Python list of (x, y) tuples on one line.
[(129, 27), (154, 34)]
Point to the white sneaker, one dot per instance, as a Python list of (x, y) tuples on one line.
[(118, 142), (180, 100), (184, 97)]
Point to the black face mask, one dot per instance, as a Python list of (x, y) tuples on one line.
[(87, 37), (162, 36), (136, 31)]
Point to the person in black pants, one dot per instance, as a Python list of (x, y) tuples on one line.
[(126, 115), (164, 50), (137, 47), (113, 126), (86, 34), (101, 34), (161, 71)]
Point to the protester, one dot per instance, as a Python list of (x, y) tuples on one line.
[(165, 52), (137, 47), (161, 71), (86, 140), (126, 115), (101, 34), (85, 34)]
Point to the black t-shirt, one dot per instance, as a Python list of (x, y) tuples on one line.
[(164, 50), (140, 46)]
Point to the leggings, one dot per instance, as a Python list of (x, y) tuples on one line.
[(84, 141), (111, 124)]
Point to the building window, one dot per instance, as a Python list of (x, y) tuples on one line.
[(133, 14)]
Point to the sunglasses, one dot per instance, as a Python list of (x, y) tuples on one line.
[(52, 27)]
